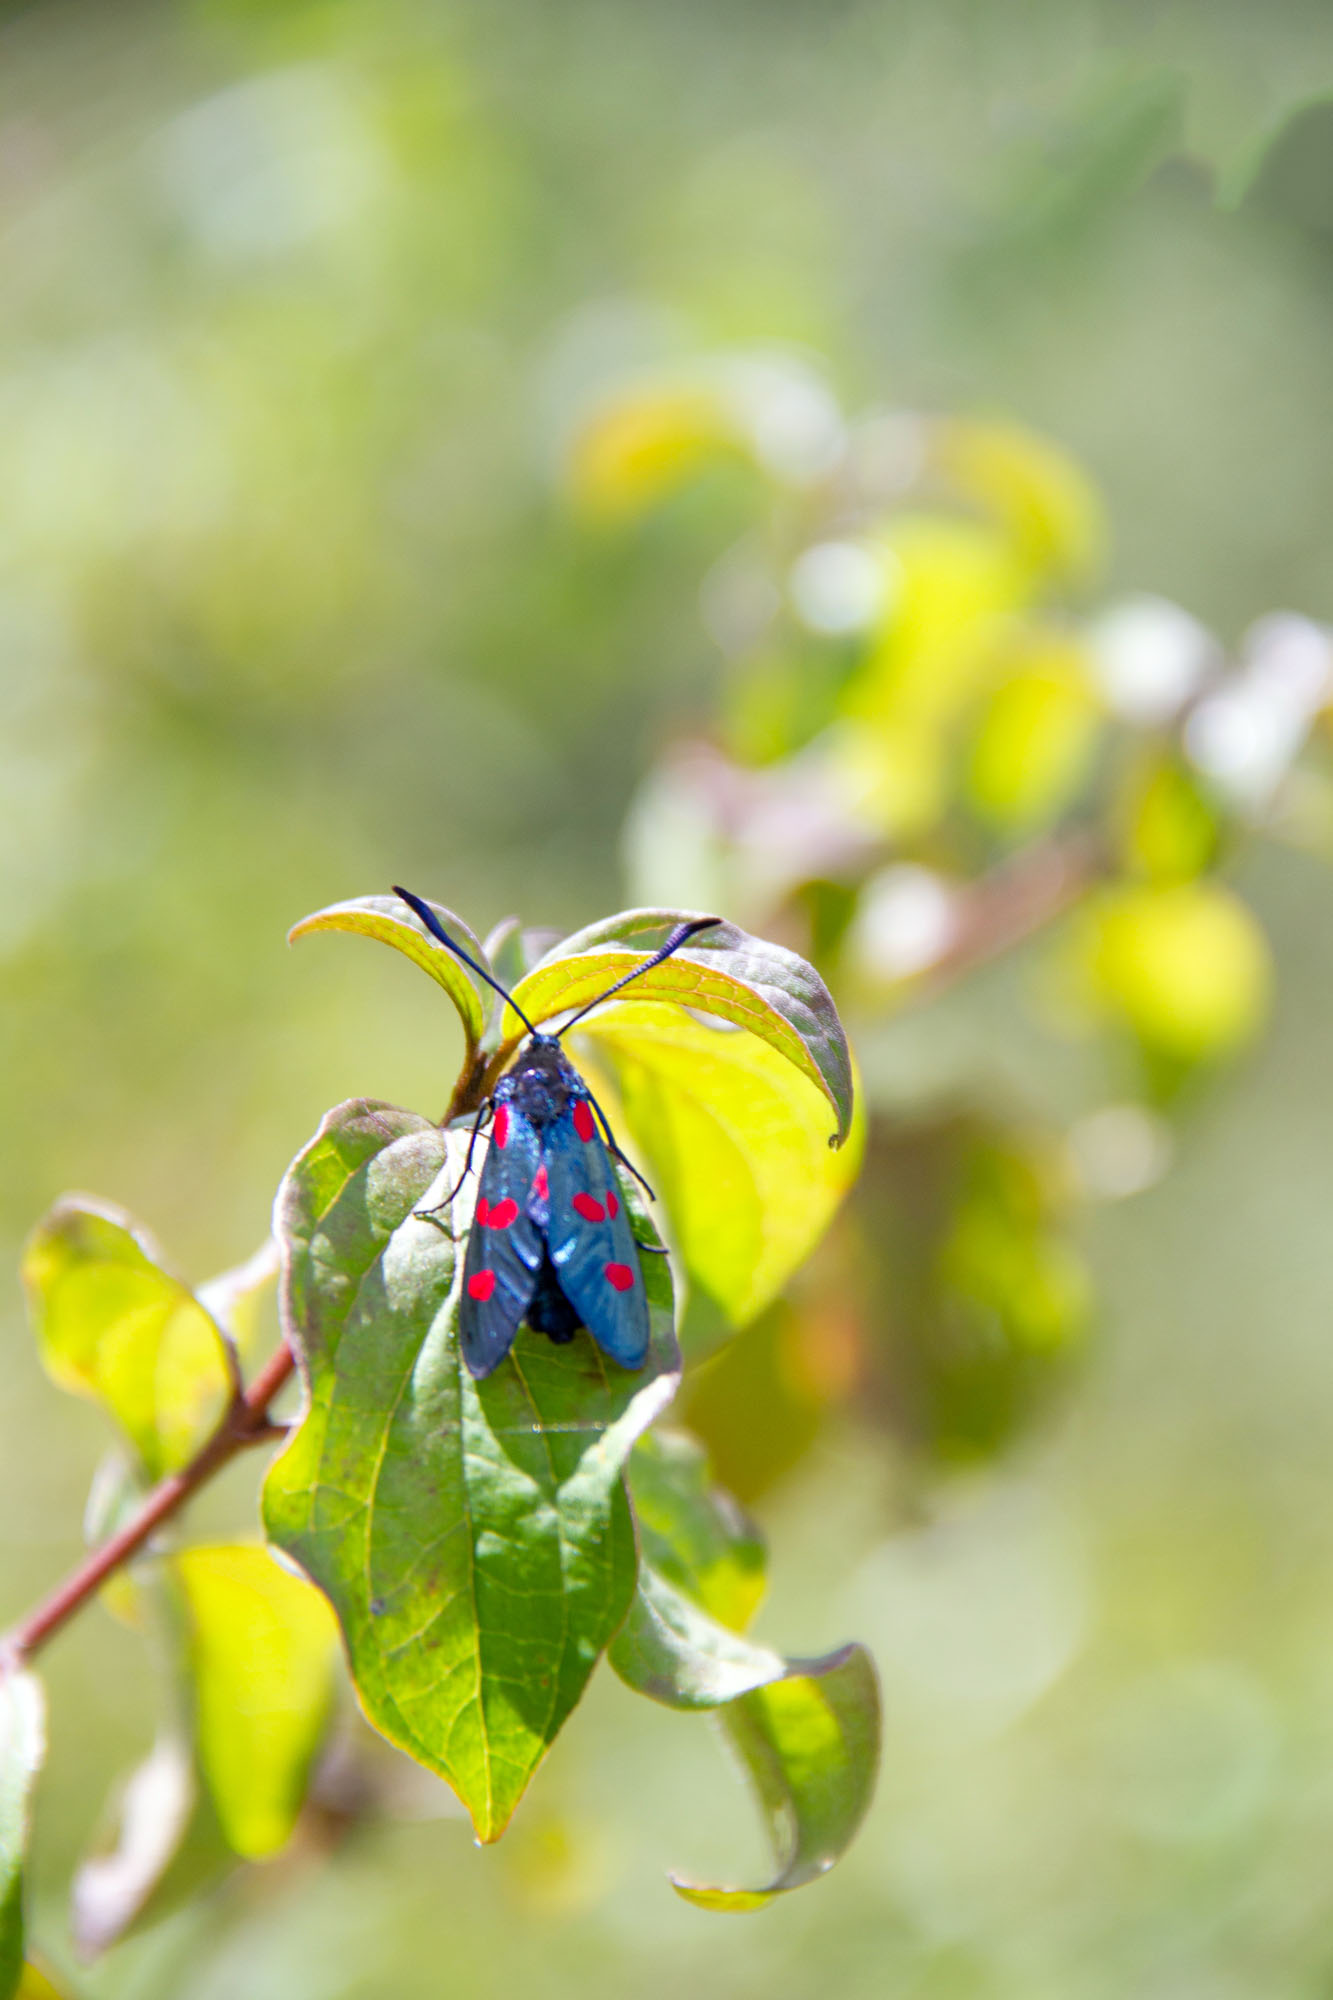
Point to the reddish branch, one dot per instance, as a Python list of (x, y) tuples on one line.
[(245, 1423), (1010, 904)]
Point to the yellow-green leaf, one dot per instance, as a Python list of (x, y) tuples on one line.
[(809, 1743), (22, 1747), (1033, 743), (761, 987), (646, 441), (1185, 964), (1172, 829), (390, 920), (1041, 495), (115, 1323), (34, 1985), (735, 1141), (262, 1647)]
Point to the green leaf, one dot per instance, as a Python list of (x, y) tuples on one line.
[(262, 1646), (474, 1537), (734, 1140), (810, 1746), (22, 1747), (115, 1323), (693, 1534), (392, 922), (671, 1649), (723, 972)]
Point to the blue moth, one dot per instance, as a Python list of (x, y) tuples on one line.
[(551, 1242)]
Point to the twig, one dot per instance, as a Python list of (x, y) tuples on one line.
[(245, 1423), (1009, 905)]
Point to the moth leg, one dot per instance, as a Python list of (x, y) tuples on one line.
[(614, 1149), (434, 1214), (652, 1249)]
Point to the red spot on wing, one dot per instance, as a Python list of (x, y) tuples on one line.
[(589, 1208), (483, 1209), (500, 1216), (481, 1284), (500, 1132), (583, 1124), (612, 1205), (541, 1186), (619, 1275)]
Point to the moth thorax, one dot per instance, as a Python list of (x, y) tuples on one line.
[(543, 1081)]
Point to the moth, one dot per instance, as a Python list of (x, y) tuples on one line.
[(550, 1241)]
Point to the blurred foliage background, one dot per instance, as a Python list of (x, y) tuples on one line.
[(323, 564)]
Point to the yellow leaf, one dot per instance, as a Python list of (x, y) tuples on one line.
[(262, 1647), (736, 1142), (1042, 497), (1035, 736), (646, 443), (113, 1323), (1185, 964)]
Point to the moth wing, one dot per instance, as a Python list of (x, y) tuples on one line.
[(590, 1240), (504, 1248)]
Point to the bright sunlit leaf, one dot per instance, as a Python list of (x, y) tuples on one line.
[(390, 920), (735, 1142), (114, 1323), (769, 991), (1040, 494), (1172, 829), (644, 443), (261, 1648), (1034, 738), (34, 1985), (1185, 965)]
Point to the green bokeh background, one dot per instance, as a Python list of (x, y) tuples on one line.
[(296, 303)]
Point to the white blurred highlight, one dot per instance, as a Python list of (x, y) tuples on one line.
[(791, 414), (905, 922), (1151, 658), (1121, 1150), (837, 587), (1246, 735)]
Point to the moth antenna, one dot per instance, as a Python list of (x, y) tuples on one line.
[(437, 930), (673, 943)]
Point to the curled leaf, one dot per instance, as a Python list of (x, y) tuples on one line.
[(390, 920), (474, 1537), (671, 1649), (723, 972), (115, 1323), (809, 1744)]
